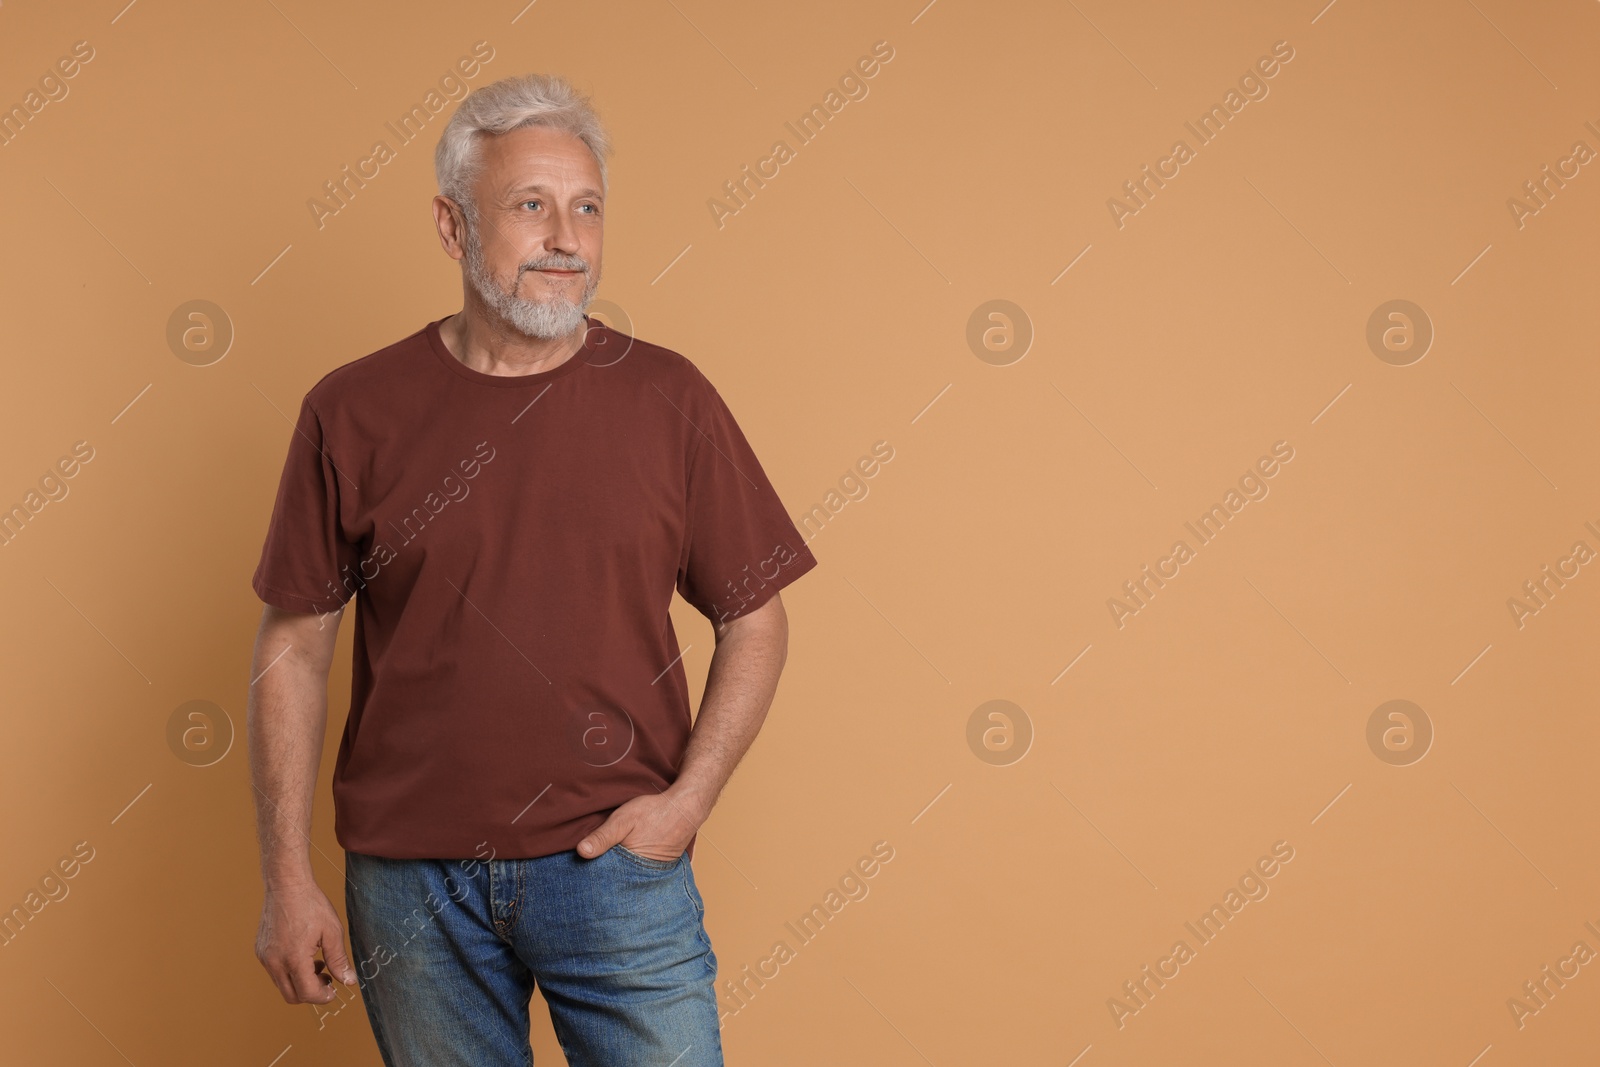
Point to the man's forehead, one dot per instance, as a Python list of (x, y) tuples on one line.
[(547, 163)]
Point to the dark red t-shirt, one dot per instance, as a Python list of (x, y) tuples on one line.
[(515, 542)]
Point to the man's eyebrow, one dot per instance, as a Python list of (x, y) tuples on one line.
[(539, 187)]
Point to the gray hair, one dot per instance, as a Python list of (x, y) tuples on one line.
[(506, 105)]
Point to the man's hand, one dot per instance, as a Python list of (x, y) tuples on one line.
[(658, 826), (296, 920), (286, 715), (744, 674)]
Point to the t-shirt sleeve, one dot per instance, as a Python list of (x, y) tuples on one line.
[(740, 546), (303, 560)]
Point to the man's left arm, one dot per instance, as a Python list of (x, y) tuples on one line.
[(740, 684)]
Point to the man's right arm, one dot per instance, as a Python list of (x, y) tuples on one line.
[(287, 713)]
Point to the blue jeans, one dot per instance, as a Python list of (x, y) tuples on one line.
[(448, 952)]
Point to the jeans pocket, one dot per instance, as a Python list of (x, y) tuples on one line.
[(648, 862)]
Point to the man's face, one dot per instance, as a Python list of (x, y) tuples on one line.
[(533, 251)]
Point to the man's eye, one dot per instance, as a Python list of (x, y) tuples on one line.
[(525, 203)]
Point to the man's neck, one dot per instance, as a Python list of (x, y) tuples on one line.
[(490, 347)]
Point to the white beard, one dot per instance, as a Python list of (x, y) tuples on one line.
[(546, 319)]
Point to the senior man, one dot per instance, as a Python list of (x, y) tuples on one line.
[(512, 493)]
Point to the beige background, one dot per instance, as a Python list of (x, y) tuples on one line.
[(1230, 313)]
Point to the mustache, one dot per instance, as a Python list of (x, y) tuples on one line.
[(555, 263)]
